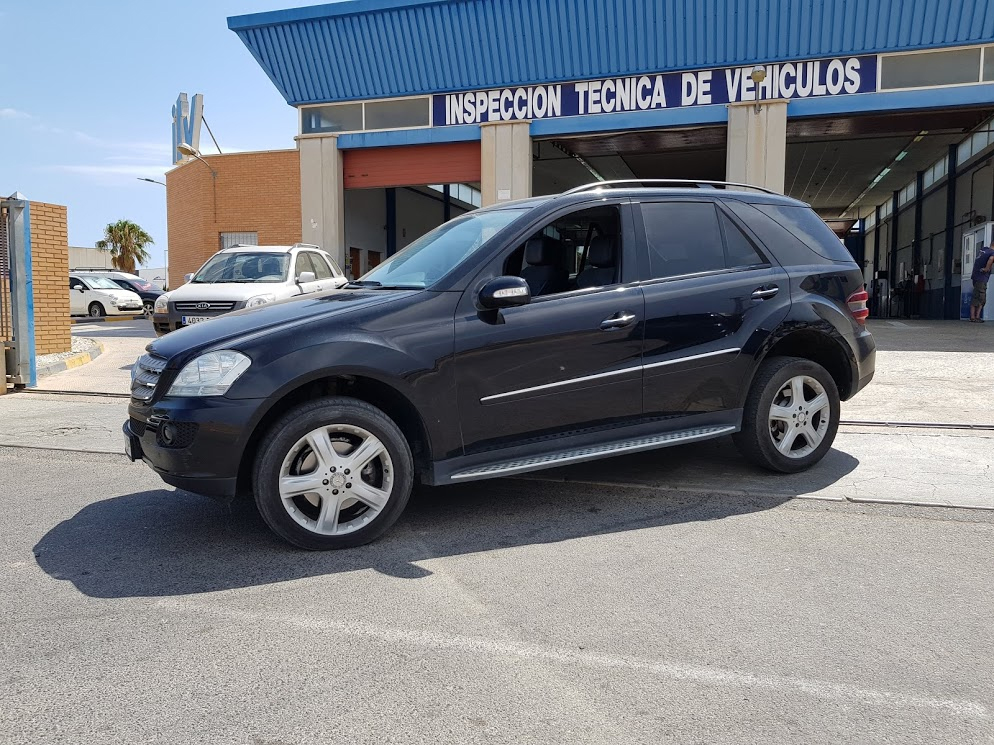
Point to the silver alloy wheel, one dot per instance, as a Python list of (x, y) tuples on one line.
[(800, 416), (148, 309), (336, 479)]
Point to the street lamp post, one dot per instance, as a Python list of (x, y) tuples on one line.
[(165, 251)]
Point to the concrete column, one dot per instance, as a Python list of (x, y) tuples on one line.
[(506, 152), (757, 144), (322, 195)]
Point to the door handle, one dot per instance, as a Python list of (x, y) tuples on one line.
[(618, 321), (764, 293)]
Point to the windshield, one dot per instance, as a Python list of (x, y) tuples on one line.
[(243, 268), (142, 285), (434, 255), (102, 283)]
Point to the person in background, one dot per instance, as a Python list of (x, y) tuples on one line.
[(981, 276)]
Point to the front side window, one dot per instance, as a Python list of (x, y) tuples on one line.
[(244, 268), (431, 257), (580, 250), (321, 270), (303, 265)]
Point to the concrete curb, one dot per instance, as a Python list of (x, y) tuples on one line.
[(106, 319), (69, 363)]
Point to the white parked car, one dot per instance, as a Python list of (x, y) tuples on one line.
[(96, 296), (246, 277)]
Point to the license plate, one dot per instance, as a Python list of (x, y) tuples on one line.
[(187, 320)]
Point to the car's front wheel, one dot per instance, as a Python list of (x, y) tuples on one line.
[(333, 473), (148, 308), (96, 310), (791, 415)]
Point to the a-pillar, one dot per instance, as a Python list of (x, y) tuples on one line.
[(506, 167), (322, 194), (757, 144)]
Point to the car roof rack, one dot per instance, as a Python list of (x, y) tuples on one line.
[(95, 269), (594, 186)]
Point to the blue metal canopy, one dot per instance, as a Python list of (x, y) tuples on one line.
[(369, 49)]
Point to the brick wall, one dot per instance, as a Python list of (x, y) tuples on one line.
[(253, 193), (50, 272)]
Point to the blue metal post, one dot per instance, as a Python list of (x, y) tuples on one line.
[(22, 289)]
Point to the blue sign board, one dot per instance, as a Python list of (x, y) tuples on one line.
[(787, 80)]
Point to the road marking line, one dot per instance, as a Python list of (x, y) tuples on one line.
[(674, 671)]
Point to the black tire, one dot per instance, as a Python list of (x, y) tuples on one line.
[(756, 440), (96, 310), (299, 422), (148, 308)]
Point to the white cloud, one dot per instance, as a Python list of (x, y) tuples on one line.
[(13, 114)]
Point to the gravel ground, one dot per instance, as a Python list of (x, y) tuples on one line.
[(79, 344)]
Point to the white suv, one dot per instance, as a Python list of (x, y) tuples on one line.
[(96, 296), (246, 277)]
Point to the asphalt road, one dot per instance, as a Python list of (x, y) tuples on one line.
[(509, 611)]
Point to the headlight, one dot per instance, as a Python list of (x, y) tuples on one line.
[(210, 374), (260, 300), (162, 304)]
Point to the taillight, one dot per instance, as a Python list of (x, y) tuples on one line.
[(857, 306)]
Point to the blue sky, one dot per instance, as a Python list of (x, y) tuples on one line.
[(86, 95)]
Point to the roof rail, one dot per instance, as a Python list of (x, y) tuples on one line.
[(666, 181), (94, 269), (306, 245)]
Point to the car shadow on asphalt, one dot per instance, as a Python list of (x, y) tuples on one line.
[(163, 543)]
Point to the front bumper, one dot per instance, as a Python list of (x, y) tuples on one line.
[(192, 444), (172, 319), (123, 309)]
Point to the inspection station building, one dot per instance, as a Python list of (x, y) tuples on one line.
[(876, 112)]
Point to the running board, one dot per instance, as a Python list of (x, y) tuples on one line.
[(592, 452)]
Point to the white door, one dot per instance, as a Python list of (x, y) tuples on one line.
[(77, 299)]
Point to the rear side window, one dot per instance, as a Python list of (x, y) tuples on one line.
[(683, 238), (739, 250), (693, 237), (809, 229)]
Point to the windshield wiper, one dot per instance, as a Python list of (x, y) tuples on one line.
[(364, 283)]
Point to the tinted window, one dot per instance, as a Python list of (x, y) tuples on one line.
[(808, 228), (683, 238), (782, 244), (581, 249), (321, 270), (739, 250)]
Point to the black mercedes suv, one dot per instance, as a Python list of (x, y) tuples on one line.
[(610, 319)]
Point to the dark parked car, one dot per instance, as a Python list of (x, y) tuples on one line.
[(610, 319)]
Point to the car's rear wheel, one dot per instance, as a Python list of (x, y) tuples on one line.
[(333, 473), (791, 415), (96, 310)]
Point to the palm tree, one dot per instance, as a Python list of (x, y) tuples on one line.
[(126, 242)]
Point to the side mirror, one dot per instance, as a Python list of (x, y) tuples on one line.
[(306, 277), (504, 292), (79, 287), (187, 277)]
